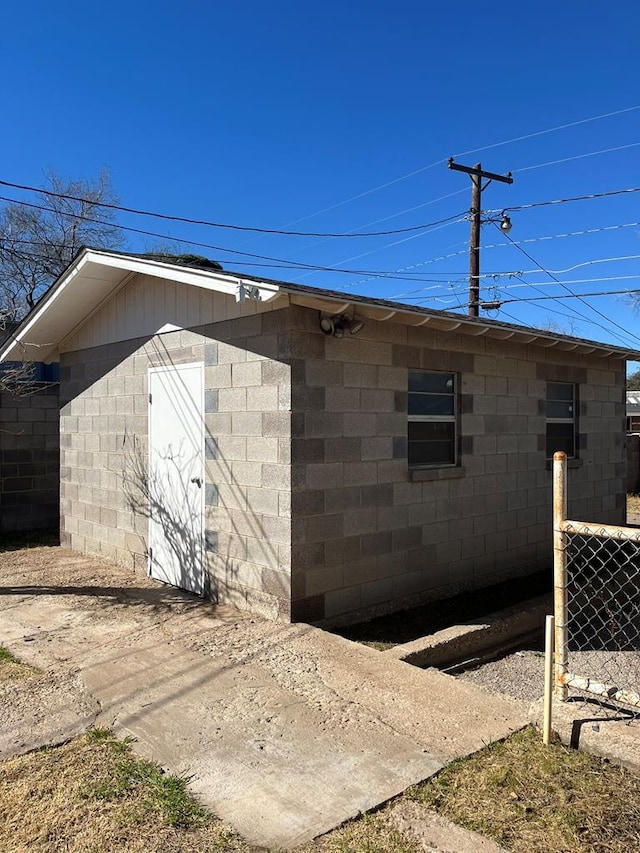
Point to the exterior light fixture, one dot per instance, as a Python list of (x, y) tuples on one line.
[(338, 324), (326, 325), (505, 225)]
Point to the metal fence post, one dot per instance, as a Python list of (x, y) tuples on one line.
[(561, 653)]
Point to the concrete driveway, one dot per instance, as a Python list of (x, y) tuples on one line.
[(286, 731)]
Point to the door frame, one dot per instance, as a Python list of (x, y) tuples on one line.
[(201, 426)]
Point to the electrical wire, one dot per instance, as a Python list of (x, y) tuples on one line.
[(571, 295), (443, 160), (286, 266), (595, 310), (188, 221), (575, 157), (146, 233), (589, 197), (581, 233)]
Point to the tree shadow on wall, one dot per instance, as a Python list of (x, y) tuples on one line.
[(166, 501)]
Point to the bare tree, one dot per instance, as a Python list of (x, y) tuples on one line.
[(40, 236), (633, 381)]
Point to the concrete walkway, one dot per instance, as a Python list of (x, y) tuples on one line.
[(287, 731)]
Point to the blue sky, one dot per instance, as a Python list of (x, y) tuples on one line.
[(340, 117)]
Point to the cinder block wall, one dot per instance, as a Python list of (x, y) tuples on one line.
[(104, 439), (29, 460), (370, 535)]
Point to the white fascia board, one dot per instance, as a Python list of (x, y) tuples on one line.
[(222, 282)]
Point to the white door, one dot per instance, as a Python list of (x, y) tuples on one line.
[(176, 475)]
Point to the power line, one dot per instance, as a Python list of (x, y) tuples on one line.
[(550, 130), (376, 221), (129, 228), (538, 285), (552, 276), (571, 295), (576, 315), (465, 251), (607, 329), (577, 157), (443, 160), (397, 242), (589, 197), (189, 221), (286, 265), (567, 281), (581, 233)]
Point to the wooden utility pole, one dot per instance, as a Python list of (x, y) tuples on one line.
[(477, 174)]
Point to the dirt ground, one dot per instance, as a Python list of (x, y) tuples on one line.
[(132, 600), (286, 730)]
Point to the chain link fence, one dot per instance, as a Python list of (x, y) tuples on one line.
[(597, 606)]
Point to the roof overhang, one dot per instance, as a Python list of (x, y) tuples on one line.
[(95, 276), (90, 281)]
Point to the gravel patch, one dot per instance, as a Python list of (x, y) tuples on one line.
[(519, 675)]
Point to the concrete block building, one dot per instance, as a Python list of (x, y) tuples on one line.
[(311, 455)]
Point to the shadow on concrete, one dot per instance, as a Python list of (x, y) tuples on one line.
[(162, 596), (601, 712)]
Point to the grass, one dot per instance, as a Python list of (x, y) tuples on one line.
[(370, 833), (536, 799), (93, 795), (11, 669)]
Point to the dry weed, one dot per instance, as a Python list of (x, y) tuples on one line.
[(12, 670), (536, 799)]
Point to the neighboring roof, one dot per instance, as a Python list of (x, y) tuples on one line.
[(633, 402), (95, 275)]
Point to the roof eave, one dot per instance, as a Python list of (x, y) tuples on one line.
[(23, 344)]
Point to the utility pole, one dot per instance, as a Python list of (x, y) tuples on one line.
[(477, 174)]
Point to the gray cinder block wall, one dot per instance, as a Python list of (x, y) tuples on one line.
[(104, 446), (371, 535), (312, 512), (29, 460)]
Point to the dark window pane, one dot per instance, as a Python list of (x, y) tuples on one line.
[(443, 383), (559, 391), (560, 437), (558, 409), (430, 404), (431, 431), (431, 453), (431, 443)]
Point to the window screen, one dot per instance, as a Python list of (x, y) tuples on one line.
[(432, 432), (561, 418)]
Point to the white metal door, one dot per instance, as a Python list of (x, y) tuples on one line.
[(176, 475)]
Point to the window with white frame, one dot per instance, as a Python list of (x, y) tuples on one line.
[(432, 413), (561, 418)]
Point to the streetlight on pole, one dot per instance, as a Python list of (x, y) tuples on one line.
[(477, 174)]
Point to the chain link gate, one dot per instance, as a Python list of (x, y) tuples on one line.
[(596, 604)]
